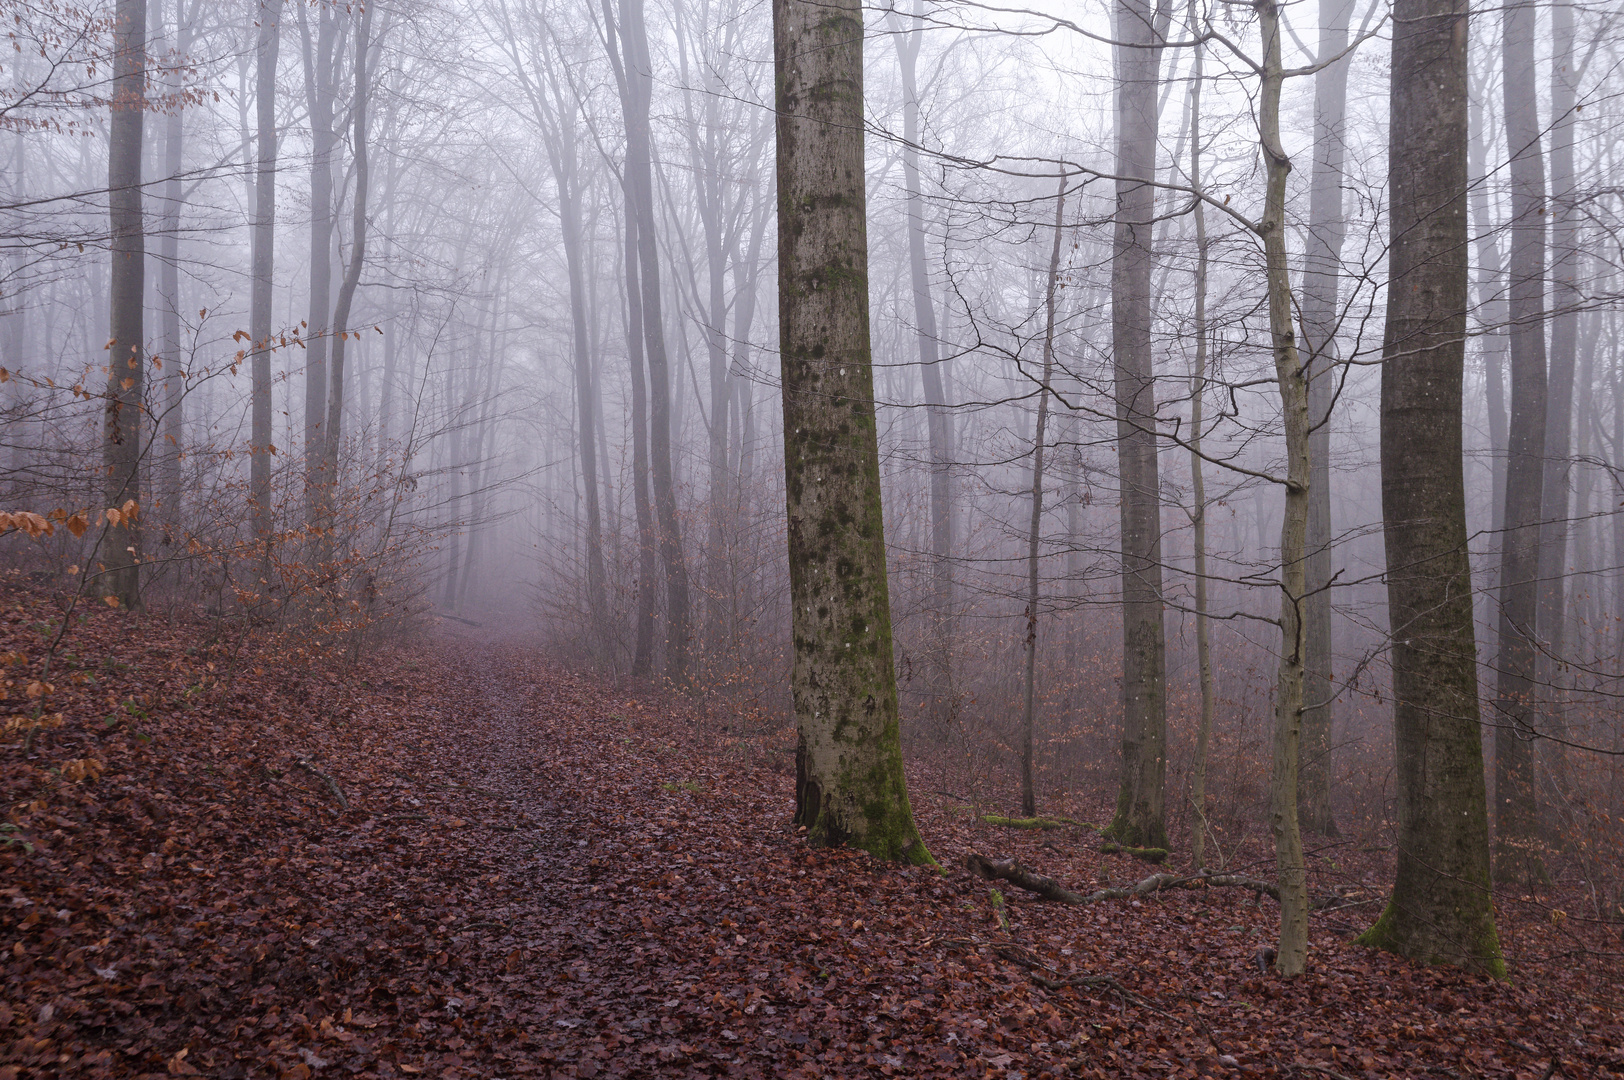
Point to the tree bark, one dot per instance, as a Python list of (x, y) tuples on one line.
[(1440, 909), (1140, 819), (639, 169), (1322, 266), (1029, 800), (1517, 713), (1198, 484), (849, 782), (261, 432), (126, 364)]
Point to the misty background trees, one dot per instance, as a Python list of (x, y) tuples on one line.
[(356, 317)]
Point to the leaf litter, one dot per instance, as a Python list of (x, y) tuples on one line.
[(463, 861)]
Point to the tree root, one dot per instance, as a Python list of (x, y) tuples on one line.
[(1012, 871)]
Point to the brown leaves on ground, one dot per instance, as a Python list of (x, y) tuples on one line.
[(537, 875)]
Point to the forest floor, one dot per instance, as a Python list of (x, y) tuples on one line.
[(461, 861)]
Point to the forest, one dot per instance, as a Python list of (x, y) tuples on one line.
[(802, 538)]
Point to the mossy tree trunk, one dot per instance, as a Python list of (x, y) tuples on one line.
[(849, 786), (1140, 818), (1440, 909)]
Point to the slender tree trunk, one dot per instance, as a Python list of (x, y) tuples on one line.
[(320, 93), (639, 170), (1029, 799), (334, 433), (1490, 304), (938, 417), (1322, 267), (1564, 322), (174, 396), (1140, 813), (126, 364), (570, 212), (1516, 815), (849, 784), (1292, 378), (1198, 484), (647, 541), (1440, 909), (261, 432)]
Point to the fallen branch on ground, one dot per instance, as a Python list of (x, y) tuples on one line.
[(331, 783), (1012, 871), (1044, 823), (1147, 854)]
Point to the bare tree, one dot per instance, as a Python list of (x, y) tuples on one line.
[(1198, 485), (334, 433), (1140, 811), (1034, 536), (849, 784), (126, 360), (639, 170), (1322, 264), (1516, 819), (938, 417), (261, 434), (1440, 909)]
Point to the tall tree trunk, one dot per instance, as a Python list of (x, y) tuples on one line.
[(1292, 379), (639, 170), (1516, 815), (1564, 321), (320, 92), (174, 396), (261, 431), (1490, 304), (647, 542), (1029, 799), (570, 213), (1140, 812), (1440, 909), (849, 784), (1322, 266), (938, 417), (121, 441), (1198, 484), (334, 433)]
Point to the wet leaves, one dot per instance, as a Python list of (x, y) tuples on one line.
[(461, 862)]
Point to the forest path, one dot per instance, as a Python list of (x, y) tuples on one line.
[(460, 860)]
